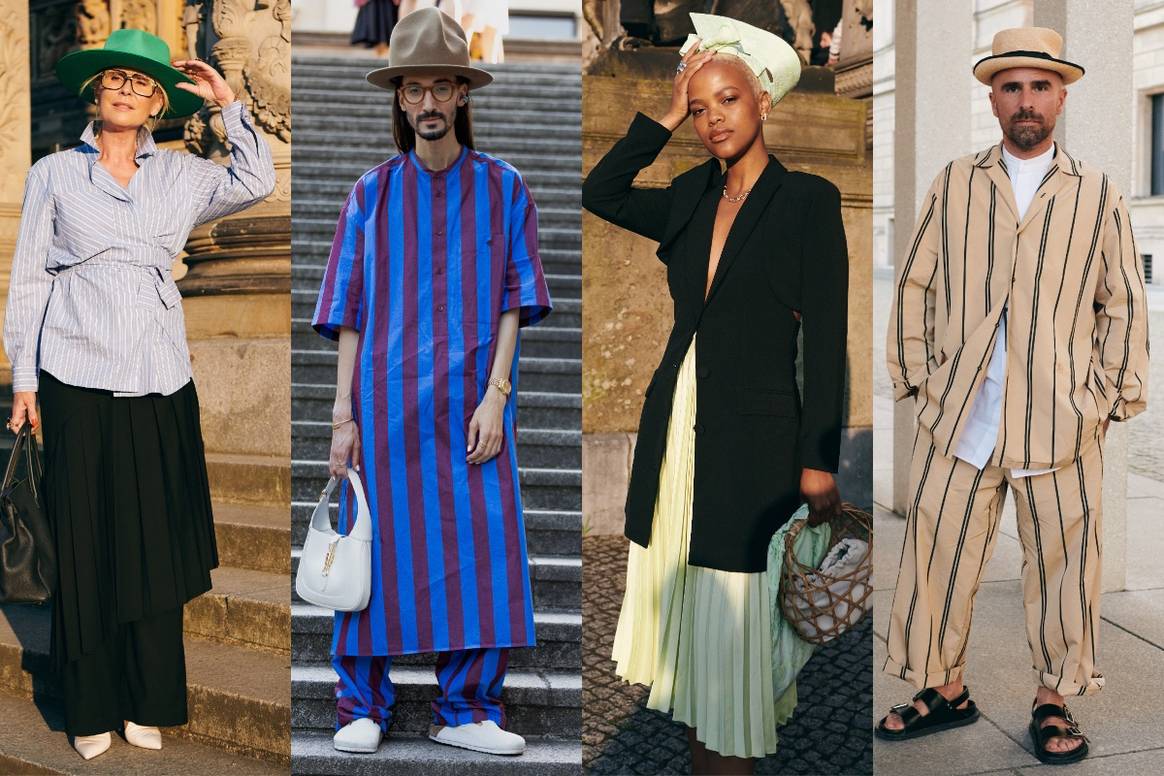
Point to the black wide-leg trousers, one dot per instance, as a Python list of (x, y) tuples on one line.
[(128, 498)]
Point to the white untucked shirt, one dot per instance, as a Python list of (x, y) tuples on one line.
[(980, 435)]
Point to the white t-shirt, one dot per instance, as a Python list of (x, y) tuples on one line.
[(978, 439)]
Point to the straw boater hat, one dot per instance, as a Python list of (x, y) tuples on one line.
[(424, 41), (1027, 47), (137, 50), (774, 63)]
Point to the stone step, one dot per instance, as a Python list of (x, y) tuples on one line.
[(245, 608), (536, 702), (239, 698), (567, 312), (536, 447), (542, 341), (547, 531), (415, 755), (556, 582), (321, 60), (540, 488), (259, 480), (34, 742), (534, 409), (307, 172), (559, 637), (253, 537), (558, 375)]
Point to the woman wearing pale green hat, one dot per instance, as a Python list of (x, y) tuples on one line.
[(94, 329), (726, 450)]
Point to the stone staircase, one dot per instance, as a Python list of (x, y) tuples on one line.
[(237, 663), (530, 117)]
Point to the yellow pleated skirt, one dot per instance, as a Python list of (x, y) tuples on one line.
[(699, 637)]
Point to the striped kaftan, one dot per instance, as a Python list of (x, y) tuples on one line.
[(423, 265)]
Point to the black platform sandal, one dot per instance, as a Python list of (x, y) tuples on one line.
[(1040, 734), (943, 715)]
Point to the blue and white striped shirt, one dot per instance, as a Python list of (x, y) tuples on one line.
[(91, 298)]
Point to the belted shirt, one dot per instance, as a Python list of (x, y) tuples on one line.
[(91, 297)]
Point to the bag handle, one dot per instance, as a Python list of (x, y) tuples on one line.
[(321, 517), (14, 456)]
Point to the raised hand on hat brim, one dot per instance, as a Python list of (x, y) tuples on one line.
[(208, 83), (692, 61)]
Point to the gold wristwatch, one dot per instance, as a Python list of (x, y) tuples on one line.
[(501, 384)]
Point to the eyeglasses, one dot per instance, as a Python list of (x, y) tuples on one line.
[(413, 94), (141, 85)]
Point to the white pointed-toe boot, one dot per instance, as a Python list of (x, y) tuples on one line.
[(143, 736), (91, 746), (483, 736), (361, 735)]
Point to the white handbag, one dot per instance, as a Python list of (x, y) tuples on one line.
[(335, 571)]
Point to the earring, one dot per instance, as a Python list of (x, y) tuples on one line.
[(763, 117)]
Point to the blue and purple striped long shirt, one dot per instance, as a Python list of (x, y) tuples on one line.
[(423, 265)]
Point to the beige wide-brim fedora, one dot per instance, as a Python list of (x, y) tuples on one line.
[(1027, 47), (425, 41)]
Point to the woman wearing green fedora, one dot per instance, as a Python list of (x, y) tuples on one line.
[(94, 325)]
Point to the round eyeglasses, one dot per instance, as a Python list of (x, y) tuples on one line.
[(413, 94), (141, 85)]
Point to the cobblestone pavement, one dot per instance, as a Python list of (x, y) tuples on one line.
[(831, 731), (1145, 453)]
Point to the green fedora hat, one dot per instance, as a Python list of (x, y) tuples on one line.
[(135, 49)]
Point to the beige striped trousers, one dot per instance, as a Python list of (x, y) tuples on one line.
[(951, 531)]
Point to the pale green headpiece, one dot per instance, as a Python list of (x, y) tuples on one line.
[(770, 58)]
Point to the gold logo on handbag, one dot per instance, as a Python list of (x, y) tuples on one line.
[(330, 557)]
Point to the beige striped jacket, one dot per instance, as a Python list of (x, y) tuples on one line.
[(1068, 276)]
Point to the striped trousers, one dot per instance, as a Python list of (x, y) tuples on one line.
[(470, 683), (951, 531)]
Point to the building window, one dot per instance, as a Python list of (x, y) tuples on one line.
[(1156, 152)]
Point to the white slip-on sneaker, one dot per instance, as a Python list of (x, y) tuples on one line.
[(91, 746), (143, 736), (483, 736), (361, 735)]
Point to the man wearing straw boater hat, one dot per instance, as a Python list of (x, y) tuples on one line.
[(1019, 332), (433, 269)]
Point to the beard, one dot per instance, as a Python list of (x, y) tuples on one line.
[(431, 134), (1028, 136)]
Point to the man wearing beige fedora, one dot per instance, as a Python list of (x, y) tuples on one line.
[(1018, 331), (433, 269)]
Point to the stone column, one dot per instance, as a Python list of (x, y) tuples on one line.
[(15, 146), (934, 41), (1099, 37), (237, 288)]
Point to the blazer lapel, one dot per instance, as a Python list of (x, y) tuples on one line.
[(688, 189), (750, 214)]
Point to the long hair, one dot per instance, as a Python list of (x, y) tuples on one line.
[(405, 135)]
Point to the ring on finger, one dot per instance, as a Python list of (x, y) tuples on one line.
[(679, 68)]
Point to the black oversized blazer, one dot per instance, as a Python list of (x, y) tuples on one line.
[(785, 252)]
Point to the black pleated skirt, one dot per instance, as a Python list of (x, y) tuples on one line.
[(374, 23), (128, 498)]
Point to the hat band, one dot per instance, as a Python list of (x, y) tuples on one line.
[(1030, 55)]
